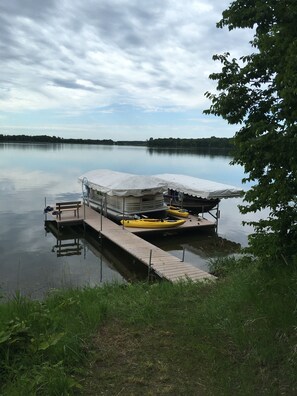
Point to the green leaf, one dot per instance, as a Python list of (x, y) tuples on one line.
[(51, 341), (4, 336)]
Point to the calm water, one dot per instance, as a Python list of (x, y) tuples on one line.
[(30, 173)]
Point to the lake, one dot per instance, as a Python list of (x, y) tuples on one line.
[(31, 173)]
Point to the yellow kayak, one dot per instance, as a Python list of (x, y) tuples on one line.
[(176, 211), (152, 223)]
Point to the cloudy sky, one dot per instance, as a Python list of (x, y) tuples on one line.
[(118, 69)]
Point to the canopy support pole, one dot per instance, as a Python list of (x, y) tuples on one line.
[(101, 214), (217, 217), (123, 212)]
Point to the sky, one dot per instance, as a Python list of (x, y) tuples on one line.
[(112, 69)]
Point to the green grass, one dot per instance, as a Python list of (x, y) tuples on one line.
[(236, 336)]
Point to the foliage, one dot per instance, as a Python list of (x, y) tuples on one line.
[(51, 139), (156, 339), (42, 344), (259, 92), (224, 266), (205, 144)]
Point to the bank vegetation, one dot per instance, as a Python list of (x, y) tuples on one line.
[(237, 335)]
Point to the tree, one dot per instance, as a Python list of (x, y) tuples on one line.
[(259, 93)]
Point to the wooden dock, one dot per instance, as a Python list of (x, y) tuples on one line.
[(162, 263)]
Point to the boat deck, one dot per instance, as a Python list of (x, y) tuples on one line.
[(192, 223), (162, 263)]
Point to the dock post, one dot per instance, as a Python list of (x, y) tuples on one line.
[(101, 213), (149, 265), (183, 258), (101, 272), (85, 249), (105, 203)]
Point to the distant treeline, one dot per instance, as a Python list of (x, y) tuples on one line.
[(200, 144), (49, 139), (56, 139), (194, 144)]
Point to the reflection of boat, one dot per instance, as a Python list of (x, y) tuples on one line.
[(152, 223), (196, 195), (122, 195), (178, 212)]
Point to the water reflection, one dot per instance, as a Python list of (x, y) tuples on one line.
[(193, 152), (68, 247), (197, 247), (50, 146), (35, 266), (31, 173), (75, 241)]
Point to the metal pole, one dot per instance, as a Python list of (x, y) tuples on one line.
[(123, 212), (183, 258), (45, 212), (101, 272), (101, 213), (150, 265), (217, 217)]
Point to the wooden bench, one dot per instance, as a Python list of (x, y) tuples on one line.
[(67, 206)]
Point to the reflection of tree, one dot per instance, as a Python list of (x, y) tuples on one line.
[(204, 145), (204, 245), (194, 151), (214, 246)]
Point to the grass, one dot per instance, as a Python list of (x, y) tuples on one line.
[(236, 336)]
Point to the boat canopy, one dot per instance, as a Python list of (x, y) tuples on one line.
[(198, 187), (122, 184)]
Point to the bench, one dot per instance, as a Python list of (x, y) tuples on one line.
[(67, 206)]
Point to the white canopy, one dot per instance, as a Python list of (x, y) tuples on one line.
[(122, 184), (198, 187)]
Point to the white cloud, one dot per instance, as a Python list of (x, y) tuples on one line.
[(70, 56)]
